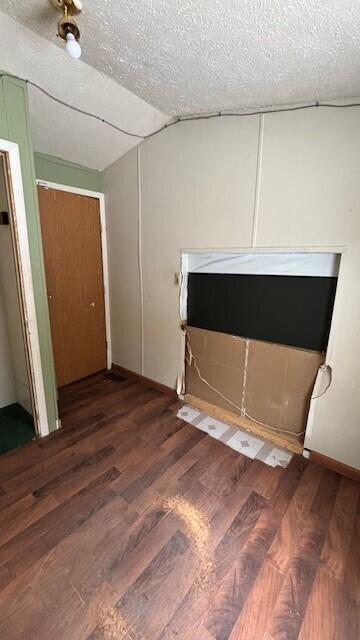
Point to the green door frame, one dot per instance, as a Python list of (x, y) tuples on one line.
[(14, 126)]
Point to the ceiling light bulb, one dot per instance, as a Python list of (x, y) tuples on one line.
[(72, 46)]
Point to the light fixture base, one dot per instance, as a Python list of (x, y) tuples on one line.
[(73, 7), (68, 25)]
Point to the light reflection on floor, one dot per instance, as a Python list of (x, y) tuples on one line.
[(111, 622)]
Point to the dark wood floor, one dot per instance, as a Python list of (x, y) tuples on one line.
[(133, 524)]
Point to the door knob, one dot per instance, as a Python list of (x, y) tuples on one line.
[(92, 304)]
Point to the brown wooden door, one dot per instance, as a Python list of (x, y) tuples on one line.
[(71, 234)]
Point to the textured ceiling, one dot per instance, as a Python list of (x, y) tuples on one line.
[(55, 129), (202, 55)]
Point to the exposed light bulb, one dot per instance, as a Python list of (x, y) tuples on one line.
[(72, 46)]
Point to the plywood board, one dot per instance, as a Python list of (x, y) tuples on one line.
[(282, 440)]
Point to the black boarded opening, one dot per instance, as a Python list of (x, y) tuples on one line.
[(291, 310)]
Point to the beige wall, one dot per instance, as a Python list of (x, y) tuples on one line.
[(13, 319), (203, 185), (121, 185), (7, 381), (13, 370)]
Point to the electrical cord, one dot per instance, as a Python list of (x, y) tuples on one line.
[(178, 119), (192, 359), (328, 368)]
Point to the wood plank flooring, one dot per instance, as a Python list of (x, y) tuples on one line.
[(132, 524)]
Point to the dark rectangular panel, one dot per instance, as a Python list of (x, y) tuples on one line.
[(292, 310)]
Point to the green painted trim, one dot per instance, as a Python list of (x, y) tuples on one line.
[(52, 169), (14, 126)]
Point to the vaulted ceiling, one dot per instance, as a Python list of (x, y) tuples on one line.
[(186, 56), (62, 132)]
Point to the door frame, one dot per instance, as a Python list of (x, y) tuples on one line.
[(104, 250), (20, 242)]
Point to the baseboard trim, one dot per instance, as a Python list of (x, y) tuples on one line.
[(334, 465), (151, 383)]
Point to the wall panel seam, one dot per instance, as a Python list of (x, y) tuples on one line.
[(257, 181), (140, 262)]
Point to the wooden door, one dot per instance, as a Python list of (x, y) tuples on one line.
[(71, 234)]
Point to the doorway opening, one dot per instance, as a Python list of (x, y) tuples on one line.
[(17, 409), (75, 256)]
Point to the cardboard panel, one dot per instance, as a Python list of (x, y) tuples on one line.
[(279, 384), (276, 388), (218, 347), (221, 359)]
